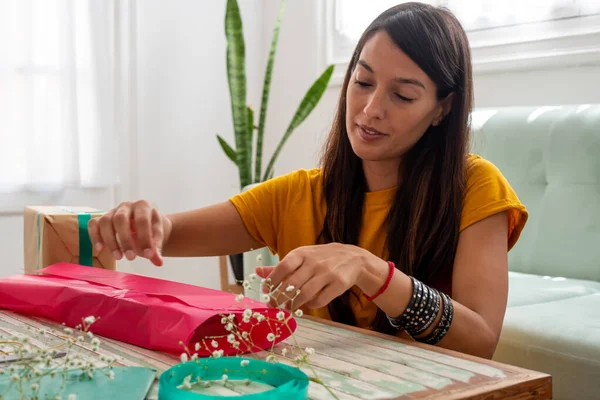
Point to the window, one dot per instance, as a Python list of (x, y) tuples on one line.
[(58, 70), (504, 34)]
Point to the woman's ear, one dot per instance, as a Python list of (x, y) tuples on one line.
[(443, 109)]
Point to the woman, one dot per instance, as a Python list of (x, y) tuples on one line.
[(399, 221)]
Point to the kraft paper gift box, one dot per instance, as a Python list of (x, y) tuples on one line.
[(56, 234)]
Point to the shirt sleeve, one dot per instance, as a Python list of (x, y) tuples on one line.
[(262, 206), (488, 193)]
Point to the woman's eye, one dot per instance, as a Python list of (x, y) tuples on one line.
[(403, 98), (361, 83)]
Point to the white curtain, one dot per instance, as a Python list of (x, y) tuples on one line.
[(59, 87)]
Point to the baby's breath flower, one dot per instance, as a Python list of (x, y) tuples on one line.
[(290, 288), (95, 342), (236, 345), (111, 375), (298, 312), (35, 387), (261, 318), (247, 313), (245, 334), (259, 259), (197, 346), (239, 297), (246, 320), (231, 338), (90, 335), (223, 320), (89, 320), (15, 377), (184, 357), (270, 358), (265, 297), (214, 344), (80, 339), (244, 363), (42, 332), (224, 378), (246, 285), (280, 315), (194, 356), (217, 353), (229, 327), (309, 350), (231, 317), (253, 277), (186, 383), (271, 337)]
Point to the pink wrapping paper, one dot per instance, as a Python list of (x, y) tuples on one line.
[(147, 312)]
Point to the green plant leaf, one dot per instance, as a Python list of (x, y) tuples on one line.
[(236, 78), (308, 103), (250, 113), (265, 94), (227, 149)]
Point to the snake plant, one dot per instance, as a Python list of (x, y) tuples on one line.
[(243, 115)]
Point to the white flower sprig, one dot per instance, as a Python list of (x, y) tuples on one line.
[(36, 361), (240, 336)]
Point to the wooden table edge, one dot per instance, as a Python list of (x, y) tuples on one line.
[(532, 377)]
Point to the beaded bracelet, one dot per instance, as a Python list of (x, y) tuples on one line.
[(442, 329), (422, 311)]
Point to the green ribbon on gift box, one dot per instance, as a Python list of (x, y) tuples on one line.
[(85, 243), (287, 382)]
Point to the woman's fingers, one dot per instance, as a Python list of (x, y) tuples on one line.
[(309, 291), (106, 234), (324, 296), (142, 223), (287, 291), (121, 222), (130, 229)]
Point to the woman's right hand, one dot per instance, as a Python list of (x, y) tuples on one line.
[(130, 230)]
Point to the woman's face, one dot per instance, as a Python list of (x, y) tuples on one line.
[(390, 101)]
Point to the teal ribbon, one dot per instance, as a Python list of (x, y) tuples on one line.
[(288, 382), (85, 243)]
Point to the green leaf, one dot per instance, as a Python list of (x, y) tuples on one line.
[(265, 94), (308, 103), (250, 113), (227, 149), (236, 78)]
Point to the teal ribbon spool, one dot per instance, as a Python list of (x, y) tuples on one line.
[(288, 383)]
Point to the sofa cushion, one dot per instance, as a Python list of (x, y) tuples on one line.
[(559, 337), (550, 155), (525, 289)]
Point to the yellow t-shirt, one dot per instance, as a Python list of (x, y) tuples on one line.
[(288, 212)]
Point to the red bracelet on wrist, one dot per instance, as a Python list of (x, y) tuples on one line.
[(386, 283)]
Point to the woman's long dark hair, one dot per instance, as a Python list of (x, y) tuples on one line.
[(423, 222)]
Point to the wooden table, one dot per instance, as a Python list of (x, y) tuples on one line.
[(358, 364)]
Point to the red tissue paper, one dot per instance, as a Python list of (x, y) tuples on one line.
[(147, 312)]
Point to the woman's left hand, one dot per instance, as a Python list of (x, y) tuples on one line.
[(320, 272)]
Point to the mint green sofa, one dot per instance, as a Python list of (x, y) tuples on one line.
[(551, 157)]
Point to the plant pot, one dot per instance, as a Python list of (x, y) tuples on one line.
[(237, 265)]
